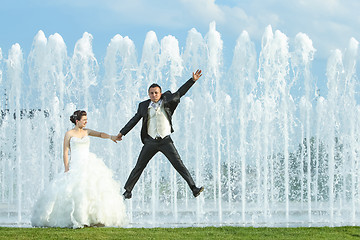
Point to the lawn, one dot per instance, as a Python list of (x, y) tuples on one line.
[(182, 233)]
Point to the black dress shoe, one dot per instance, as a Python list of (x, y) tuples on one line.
[(127, 195), (196, 191)]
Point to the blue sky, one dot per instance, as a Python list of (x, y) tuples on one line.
[(329, 23)]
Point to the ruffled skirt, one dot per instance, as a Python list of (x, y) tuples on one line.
[(86, 195)]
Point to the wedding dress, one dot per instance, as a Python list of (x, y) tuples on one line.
[(86, 195)]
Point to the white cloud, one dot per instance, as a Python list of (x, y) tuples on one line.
[(204, 10), (329, 23), (324, 5)]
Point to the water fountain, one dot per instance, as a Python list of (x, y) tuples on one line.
[(266, 156)]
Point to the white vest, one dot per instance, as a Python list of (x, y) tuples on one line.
[(158, 124)]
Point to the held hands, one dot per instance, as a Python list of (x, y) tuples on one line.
[(196, 75), (119, 137), (113, 138), (116, 138)]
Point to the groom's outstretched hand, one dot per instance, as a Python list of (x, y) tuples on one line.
[(119, 137)]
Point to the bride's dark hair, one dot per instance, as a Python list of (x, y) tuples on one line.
[(77, 116)]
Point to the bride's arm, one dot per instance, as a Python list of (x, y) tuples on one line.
[(101, 134), (66, 148)]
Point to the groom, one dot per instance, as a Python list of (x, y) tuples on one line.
[(156, 114)]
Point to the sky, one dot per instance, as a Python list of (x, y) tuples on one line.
[(329, 23)]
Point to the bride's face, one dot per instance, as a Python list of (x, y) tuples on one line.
[(82, 122)]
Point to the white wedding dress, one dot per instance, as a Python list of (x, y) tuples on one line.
[(86, 195)]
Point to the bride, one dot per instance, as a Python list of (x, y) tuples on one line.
[(86, 194)]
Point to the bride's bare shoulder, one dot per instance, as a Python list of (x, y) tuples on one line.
[(69, 133)]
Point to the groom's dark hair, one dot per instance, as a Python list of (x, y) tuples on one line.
[(154, 85)]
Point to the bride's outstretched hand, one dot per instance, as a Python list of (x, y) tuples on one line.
[(113, 138)]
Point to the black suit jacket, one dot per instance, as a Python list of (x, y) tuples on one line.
[(170, 100)]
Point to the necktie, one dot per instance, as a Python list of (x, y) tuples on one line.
[(154, 105)]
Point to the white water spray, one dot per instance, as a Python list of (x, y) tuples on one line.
[(269, 150)]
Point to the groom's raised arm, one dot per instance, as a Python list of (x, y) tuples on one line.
[(188, 84), (185, 87)]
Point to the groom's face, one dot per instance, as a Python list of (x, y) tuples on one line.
[(155, 94)]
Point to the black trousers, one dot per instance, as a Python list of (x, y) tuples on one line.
[(150, 148)]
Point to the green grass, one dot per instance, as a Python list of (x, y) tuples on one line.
[(183, 233)]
